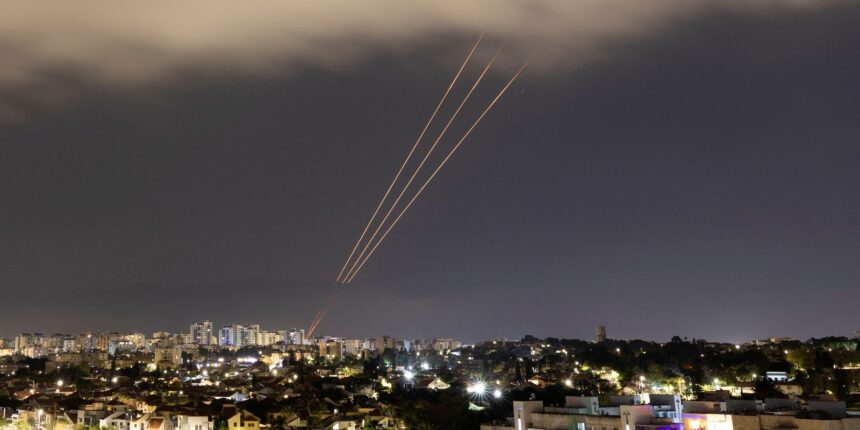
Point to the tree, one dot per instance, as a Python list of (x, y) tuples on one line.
[(22, 425), (765, 389), (841, 384)]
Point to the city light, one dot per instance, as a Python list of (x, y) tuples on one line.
[(479, 388), (497, 393), (59, 383), (408, 375)]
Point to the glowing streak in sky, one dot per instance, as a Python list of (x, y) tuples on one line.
[(316, 322), (442, 164), (421, 164), (408, 156), (313, 323)]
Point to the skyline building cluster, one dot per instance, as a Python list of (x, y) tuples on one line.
[(202, 334)]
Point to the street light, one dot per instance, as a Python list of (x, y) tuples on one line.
[(497, 393), (478, 388)]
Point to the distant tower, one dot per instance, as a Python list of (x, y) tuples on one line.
[(601, 334)]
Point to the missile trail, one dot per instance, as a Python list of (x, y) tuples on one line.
[(442, 164), (313, 323), (408, 157), (329, 304), (317, 320), (423, 161)]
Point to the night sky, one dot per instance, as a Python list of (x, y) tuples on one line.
[(660, 169)]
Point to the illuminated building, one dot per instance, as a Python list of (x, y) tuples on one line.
[(330, 348), (201, 332), (445, 344), (238, 335), (295, 336), (385, 342), (662, 412), (243, 420), (352, 346)]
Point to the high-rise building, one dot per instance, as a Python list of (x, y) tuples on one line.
[(24, 340), (385, 342), (295, 337), (238, 335), (331, 348), (352, 346), (251, 334), (201, 332), (268, 338), (601, 334), (445, 344), (231, 335)]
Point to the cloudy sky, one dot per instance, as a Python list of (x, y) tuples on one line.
[(662, 168)]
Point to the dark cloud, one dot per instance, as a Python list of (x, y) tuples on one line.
[(696, 179)]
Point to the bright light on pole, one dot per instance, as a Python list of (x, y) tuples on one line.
[(478, 388), (408, 375), (497, 393)]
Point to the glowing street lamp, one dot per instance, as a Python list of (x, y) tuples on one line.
[(408, 375), (478, 388), (497, 393)]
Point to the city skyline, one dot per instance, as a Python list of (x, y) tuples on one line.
[(219, 336), (661, 169)]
